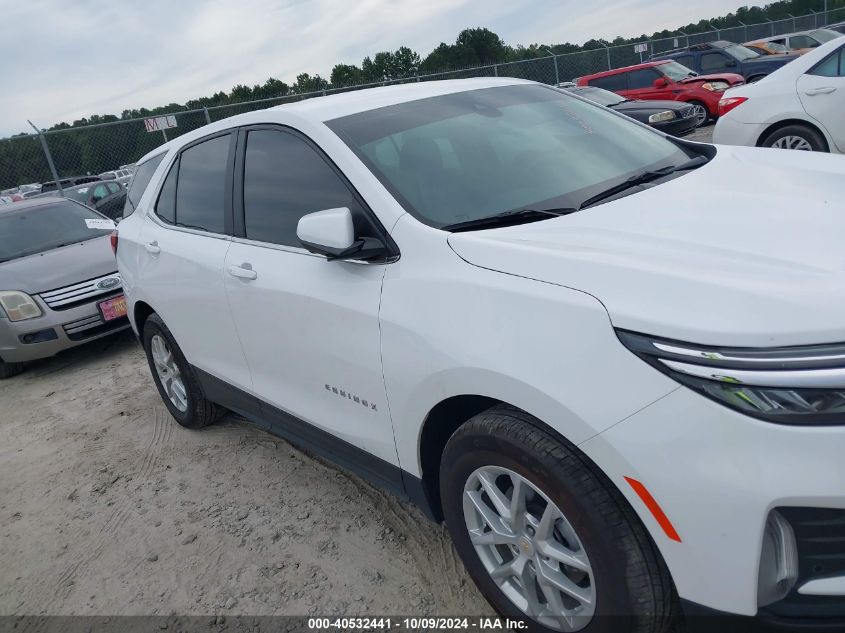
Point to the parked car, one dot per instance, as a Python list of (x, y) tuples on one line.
[(770, 48), (106, 197), (839, 27), (670, 117), (666, 81), (123, 176), (803, 41), (801, 106), (59, 286), (51, 185), (722, 56), (608, 369)]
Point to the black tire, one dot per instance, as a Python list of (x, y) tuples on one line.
[(634, 592), (699, 105), (199, 411), (7, 370), (754, 79), (810, 136)]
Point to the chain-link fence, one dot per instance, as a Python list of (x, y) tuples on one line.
[(94, 149)]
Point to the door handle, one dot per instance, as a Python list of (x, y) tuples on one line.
[(825, 90), (244, 271), (152, 247)]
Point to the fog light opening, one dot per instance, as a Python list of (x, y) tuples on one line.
[(778, 561)]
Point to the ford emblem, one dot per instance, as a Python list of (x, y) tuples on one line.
[(108, 282)]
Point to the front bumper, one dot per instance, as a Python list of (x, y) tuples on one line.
[(717, 474), (63, 329), (677, 127)]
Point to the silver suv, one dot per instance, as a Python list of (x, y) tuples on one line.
[(59, 285)]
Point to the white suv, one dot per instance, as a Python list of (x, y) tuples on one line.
[(618, 412)]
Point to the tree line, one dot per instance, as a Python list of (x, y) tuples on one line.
[(93, 150)]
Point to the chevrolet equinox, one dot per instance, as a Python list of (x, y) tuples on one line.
[(613, 362)]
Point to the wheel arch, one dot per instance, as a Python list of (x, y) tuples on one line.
[(774, 127), (141, 312), (440, 424)]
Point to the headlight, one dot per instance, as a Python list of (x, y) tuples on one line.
[(18, 306), (790, 385), (715, 86), (659, 117)]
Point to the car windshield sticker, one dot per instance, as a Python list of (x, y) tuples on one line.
[(99, 224), (83, 190)]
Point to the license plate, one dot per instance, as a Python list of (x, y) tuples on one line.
[(113, 308)]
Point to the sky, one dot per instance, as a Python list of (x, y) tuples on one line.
[(61, 60)]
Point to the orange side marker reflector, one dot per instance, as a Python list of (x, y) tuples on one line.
[(655, 509)]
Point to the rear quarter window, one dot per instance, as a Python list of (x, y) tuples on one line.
[(139, 184)]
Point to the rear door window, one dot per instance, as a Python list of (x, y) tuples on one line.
[(201, 188), (140, 182), (614, 83), (713, 61), (831, 66)]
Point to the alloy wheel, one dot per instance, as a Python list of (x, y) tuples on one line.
[(793, 142), (168, 373), (701, 114), (529, 548)]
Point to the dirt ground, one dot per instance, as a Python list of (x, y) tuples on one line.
[(108, 507)]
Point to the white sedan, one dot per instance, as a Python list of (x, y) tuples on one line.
[(799, 106)]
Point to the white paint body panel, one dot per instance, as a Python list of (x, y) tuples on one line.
[(781, 96), (746, 252)]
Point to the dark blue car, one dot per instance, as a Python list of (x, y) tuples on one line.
[(721, 56)]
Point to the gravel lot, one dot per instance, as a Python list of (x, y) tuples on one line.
[(108, 507), (703, 134)]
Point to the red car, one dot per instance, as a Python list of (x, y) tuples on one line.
[(667, 80)]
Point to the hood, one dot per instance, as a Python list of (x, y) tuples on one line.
[(59, 267), (744, 251)]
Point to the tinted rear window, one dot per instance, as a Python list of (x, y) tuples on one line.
[(200, 192), (139, 183), (44, 228), (611, 82)]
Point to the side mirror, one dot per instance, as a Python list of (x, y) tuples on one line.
[(660, 82), (332, 233), (731, 63)]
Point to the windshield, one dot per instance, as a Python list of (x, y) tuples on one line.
[(473, 154), (737, 51), (598, 95), (43, 228), (824, 35), (675, 71)]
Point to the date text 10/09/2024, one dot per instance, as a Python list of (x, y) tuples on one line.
[(417, 624)]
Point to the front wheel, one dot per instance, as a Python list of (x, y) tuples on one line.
[(702, 114), (543, 534), (798, 137), (7, 370)]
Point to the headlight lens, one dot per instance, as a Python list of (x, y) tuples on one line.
[(659, 117), (715, 86), (794, 385), (18, 306)]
